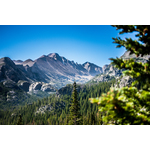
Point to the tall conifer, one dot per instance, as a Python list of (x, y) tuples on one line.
[(75, 117)]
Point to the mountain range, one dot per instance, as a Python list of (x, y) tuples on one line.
[(51, 72), (49, 69)]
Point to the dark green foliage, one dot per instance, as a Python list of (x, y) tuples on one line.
[(21, 99), (143, 34), (75, 117), (3, 91), (129, 105), (58, 114)]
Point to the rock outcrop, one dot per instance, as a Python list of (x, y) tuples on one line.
[(92, 68), (45, 87), (124, 81), (24, 85), (10, 91), (110, 72)]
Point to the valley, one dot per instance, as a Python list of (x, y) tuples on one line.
[(39, 90)]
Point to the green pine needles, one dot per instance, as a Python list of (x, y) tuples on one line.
[(75, 117), (129, 105)]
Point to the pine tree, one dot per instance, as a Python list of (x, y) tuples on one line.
[(129, 105), (75, 117)]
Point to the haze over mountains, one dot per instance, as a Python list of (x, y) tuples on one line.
[(52, 68)]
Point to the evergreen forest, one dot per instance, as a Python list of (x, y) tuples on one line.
[(55, 109)]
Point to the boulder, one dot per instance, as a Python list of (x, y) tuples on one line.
[(24, 85), (47, 88), (35, 86), (125, 81)]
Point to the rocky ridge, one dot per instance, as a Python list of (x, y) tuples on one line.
[(110, 72)]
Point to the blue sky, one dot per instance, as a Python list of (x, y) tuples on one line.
[(80, 43)]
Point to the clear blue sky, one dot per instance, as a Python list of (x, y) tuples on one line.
[(80, 43)]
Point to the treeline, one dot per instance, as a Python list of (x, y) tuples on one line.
[(54, 110)]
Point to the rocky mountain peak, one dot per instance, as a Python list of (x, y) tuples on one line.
[(4, 59), (88, 64), (92, 68), (7, 60), (9, 71), (55, 56), (28, 60)]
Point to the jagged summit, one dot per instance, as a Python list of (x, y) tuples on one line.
[(7, 60), (88, 63), (55, 69), (53, 54), (28, 60), (9, 71), (92, 68)]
